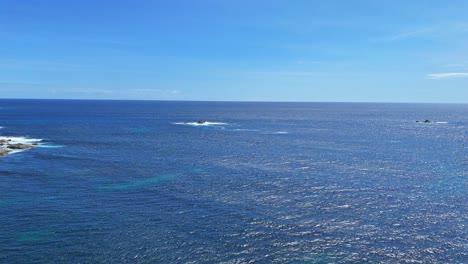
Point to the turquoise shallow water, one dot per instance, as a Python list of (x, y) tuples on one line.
[(127, 181)]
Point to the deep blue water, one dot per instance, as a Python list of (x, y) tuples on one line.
[(120, 181)]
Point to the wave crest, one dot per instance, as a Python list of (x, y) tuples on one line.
[(200, 124)]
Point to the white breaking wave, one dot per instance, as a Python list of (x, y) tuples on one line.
[(246, 129), (276, 133), (200, 124), (20, 140), (432, 122), (50, 146)]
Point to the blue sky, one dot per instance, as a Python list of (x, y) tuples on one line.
[(235, 50)]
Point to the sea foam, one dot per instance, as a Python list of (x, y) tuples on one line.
[(200, 124), (20, 140), (276, 133)]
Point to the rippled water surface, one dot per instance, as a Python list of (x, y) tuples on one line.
[(142, 182)]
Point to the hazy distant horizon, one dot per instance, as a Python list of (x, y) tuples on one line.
[(232, 101)]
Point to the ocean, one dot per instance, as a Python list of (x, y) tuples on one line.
[(143, 182)]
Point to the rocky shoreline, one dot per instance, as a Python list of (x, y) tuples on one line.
[(8, 145)]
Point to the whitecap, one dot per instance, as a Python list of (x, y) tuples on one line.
[(23, 140), (344, 206), (246, 129), (50, 146), (277, 133), (200, 124)]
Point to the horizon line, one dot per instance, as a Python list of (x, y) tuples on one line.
[(229, 101)]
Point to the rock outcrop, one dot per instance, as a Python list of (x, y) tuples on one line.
[(4, 152), (4, 141), (12, 145), (20, 146)]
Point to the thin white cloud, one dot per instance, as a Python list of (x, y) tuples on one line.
[(94, 91), (16, 83), (411, 34), (456, 65), (447, 75), (462, 27), (124, 91), (156, 91), (285, 73), (431, 31), (303, 62)]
